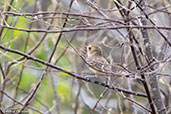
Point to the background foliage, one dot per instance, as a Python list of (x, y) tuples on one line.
[(125, 30)]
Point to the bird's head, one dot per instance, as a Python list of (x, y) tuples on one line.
[(94, 50)]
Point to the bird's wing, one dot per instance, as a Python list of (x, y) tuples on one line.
[(99, 64)]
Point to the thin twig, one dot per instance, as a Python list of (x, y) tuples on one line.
[(70, 73)]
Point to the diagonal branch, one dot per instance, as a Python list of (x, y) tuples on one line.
[(70, 73)]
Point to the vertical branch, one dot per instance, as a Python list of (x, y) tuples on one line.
[(137, 60), (155, 90), (1, 31), (2, 81), (77, 98), (6, 17), (142, 76)]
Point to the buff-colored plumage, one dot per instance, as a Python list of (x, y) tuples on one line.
[(96, 61)]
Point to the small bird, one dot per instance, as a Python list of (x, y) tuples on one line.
[(96, 61)]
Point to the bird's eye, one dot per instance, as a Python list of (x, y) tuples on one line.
[(89, 48)]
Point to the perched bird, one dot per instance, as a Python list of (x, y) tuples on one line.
[(96, 61)]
